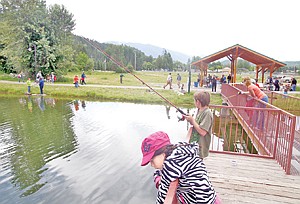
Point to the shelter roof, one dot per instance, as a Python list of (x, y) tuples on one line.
[(247, 54)]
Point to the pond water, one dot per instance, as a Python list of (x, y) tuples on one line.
[(55, 151)]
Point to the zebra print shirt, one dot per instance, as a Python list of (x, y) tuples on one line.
[(194, 185)]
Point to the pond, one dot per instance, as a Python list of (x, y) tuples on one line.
[(55, 151)]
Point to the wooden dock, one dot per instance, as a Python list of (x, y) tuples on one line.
[(243, 179)]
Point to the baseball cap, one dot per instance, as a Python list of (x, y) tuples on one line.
[(152, 143)]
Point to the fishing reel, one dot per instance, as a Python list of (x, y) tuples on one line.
[(180, 115)]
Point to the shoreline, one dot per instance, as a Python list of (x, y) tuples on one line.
[(94, 92)]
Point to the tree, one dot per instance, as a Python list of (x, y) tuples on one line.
[(244, 64), (215, 65), (164, 61), (148, 66), (83, 62), (34, 38)]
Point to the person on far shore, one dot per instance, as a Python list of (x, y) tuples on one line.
[(285, 91), (121, 78), (76, 79), (178, 80), (52, 77), (28, 83), (41, 84), (276, 84), (214, 84), (293, 84), (38, 76), (229, 78), (182, 89), (83, 76), (169, 81), (21, 77)]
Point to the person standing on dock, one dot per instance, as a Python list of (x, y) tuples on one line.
[(28, 83), (41, 84), (255, 92), (201, 126)]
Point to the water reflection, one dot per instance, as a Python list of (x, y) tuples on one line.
[(168, 111), (71, 154), (77, 104), (29, 103), (41, 103), (83, 105), (29, 140)]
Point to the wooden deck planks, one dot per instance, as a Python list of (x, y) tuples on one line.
[(242, 179)]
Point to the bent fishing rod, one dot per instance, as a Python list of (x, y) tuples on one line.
[(128, 71)]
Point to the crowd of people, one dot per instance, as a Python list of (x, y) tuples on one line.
[(39, 80)]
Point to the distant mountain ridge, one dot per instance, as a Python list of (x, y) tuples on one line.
[(154, 51)]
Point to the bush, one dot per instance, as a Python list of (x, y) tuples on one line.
[(120, 70), (63, 79)]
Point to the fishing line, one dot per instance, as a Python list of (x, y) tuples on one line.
[(128, 71)]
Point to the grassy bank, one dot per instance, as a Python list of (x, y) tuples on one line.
[(107, 94), (154, 79)]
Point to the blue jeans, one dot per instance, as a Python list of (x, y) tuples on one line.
[(41, 89), (261, 115)]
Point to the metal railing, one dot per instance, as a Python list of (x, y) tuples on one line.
[(253, 127), (243, 125), (286, 102)]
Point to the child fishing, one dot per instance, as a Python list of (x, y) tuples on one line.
[(180, 161), (201, 126)]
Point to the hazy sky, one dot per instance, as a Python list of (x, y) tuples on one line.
[(193, 27)]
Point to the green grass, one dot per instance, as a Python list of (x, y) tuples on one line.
[(107, 94), (153, 79)]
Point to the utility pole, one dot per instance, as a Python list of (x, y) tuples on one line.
[(134, 59), (189, 80)]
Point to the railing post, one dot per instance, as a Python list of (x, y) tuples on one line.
[(277, 134), (290, 150)]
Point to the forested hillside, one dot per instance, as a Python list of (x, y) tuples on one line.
[(35, 38)]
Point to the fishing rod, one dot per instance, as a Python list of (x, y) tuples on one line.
[(128, 71)]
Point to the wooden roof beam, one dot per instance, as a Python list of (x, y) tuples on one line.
[(266, 64)]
